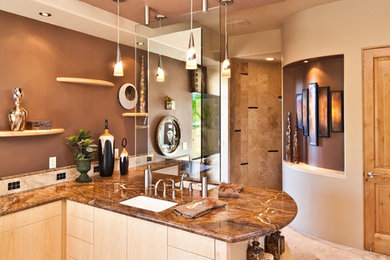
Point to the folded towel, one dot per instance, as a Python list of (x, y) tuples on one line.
[(229, 190), (198, 208)]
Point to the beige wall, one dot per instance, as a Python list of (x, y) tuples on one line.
[(330, 207)]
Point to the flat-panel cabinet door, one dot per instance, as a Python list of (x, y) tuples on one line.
[(146, 240), (109, 235), (15, 244)]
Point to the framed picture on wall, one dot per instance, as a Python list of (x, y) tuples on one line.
[(323, 112), (298, 111), (337, 104), (305, 112), (313, 114)]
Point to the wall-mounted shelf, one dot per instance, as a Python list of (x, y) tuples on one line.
[(142, 126), (82, 81), (31, 132), (135, 114)]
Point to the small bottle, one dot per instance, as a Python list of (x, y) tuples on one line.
[(150, 176), (204, 187), (146, 178), (124, 159)]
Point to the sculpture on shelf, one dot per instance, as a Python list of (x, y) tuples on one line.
[(288, 138), (142, 103), (17, 116), (295, 146)]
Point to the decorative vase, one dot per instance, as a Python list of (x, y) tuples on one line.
[(142, 102), (288, 138), (124, 159), (83, 166), (17, 116), (106, 153)]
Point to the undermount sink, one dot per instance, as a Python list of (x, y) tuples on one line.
[(195, 185), (152, 204)]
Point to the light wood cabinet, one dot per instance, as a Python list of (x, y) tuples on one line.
[(32, 234), (110, 235), (146, 240)]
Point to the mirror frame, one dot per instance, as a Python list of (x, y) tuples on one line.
[(160, 127)]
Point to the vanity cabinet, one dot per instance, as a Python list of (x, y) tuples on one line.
[(34, 233)]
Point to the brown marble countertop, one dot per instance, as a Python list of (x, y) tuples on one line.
[(257, 212)]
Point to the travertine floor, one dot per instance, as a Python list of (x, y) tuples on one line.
[(303, 247)]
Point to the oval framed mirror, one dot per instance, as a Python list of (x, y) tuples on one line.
[(168, 135), (128, 96)]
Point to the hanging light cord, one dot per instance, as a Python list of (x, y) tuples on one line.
[(117, 21), (159, 46), (226, 37), (191, 13)]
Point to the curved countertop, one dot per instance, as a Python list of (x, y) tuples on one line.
[(256, 213)]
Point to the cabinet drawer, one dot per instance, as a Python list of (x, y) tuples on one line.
[(79, 210), (78, 249), (79, 228), (29, 216), (178, 254), (199, 245)]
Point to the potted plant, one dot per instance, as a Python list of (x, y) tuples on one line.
[(83, 153)]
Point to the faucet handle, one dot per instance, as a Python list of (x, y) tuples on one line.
[(173, 188), (190, 187)]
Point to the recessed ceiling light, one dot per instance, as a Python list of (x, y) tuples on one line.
[(45, 14), (306, 61), (269, 59), (140, 43)]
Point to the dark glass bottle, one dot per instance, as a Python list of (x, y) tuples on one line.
[(124, 159), (106, 153)]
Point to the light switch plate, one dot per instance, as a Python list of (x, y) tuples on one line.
[(185, 145), (116, 153), (52, 162)]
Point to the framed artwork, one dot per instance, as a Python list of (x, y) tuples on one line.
[(298, 110), (323, 112), (305, 111), (313, 114), (337, 118)]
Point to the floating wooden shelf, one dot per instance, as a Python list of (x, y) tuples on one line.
[(134, 114), (82, 81), (31, 132), (142, 126)]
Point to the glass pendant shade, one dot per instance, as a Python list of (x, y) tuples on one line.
[(118, 69), (226, 73), (160, 72), (191, 55)]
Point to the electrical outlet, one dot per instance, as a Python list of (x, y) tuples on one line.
[(116, 153), (96, 169), (149, 158), (52, 162), (14, 185), (185, 145), (61, 176)]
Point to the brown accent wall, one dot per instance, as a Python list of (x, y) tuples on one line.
[(32, 55), (255, 134), (176, 86), (326, 71)]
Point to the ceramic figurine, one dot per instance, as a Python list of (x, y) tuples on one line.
[(255, 252), (142, 103), (17, 116), (295, 146), (288, 138), (106, 153), (124, 159)]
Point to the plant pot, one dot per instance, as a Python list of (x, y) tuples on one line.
[(83, 166)]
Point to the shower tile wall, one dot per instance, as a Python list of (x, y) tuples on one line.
[(255, 124)]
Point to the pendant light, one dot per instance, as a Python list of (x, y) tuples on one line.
[(225, 71), (160, 77), (118, 69), (191, 63)]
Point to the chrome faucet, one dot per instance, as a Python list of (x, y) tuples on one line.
[(181, 180), (156, 188), (173, 188)]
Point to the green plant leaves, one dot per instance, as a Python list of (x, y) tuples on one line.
[(82, 144)]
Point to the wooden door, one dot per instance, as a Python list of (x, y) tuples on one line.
[(376, 95)]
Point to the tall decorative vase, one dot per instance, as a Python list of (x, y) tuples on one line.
[(17, 116), (106, 153), (142, 102), (124, 159), (296, 146), (83, 166), (288, 138)]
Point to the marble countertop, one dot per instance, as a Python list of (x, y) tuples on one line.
[(257, 212)]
